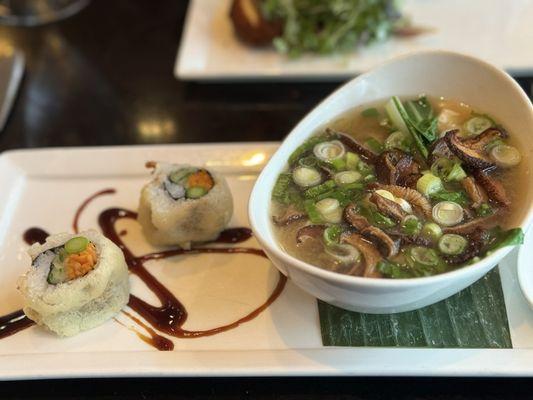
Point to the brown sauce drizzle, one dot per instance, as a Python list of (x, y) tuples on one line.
[(84, 205), (17, 320), (35, 235), (171, 315), (155, 340), (234, 235), (13, 323)]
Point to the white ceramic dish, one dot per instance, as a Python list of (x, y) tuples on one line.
[(525, 268), (494, 30), (446, 74), (283, 341)]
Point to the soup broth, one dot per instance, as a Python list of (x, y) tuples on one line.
[(400, 189)]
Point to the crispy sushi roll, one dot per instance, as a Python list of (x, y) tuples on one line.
[(75, 283), (184, 204)]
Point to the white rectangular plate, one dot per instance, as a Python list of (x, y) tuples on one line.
[(44, 188), (498, 31)]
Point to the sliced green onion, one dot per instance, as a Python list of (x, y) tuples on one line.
[(343, 253), (452, 244), (76, 245), (505, 156), (447, 213), (424, 255), (330, 210), (385, 194), (374, 145), (320, 189), (347, 177), (492, 144), (338, 164), (308, 161), (196, 192), (429, 184), (305, 176), (411, 225), (352, 160), (308, 145), (398, 140), (332, 234), (328, 151), (474, 126), (327, 205), (431, 231)]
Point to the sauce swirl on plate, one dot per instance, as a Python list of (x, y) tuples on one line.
[(170, 317)]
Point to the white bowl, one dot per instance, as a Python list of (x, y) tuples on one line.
[(436, 73)]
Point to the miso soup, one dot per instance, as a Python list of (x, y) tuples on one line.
[(399, 189)]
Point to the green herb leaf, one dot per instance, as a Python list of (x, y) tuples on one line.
[(280, 188), (459, 197), (344, 195), (374, 145), (375, 217), (370, 113), (315, 191), (411, 127), (421, 118), (395, 271), (411, 225), (474, 318), (484, 210), (511, 237), (325, 27)]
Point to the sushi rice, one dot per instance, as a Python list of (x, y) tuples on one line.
[(79, 304), (169, 217)]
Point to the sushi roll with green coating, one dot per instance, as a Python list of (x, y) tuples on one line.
[(76, 282), (184, 204)]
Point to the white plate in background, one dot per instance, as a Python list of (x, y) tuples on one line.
[(44, 188), (498, 31)]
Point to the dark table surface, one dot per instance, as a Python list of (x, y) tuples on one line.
[(103, 76)]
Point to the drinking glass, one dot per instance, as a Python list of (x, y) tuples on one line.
[(37, 12)]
